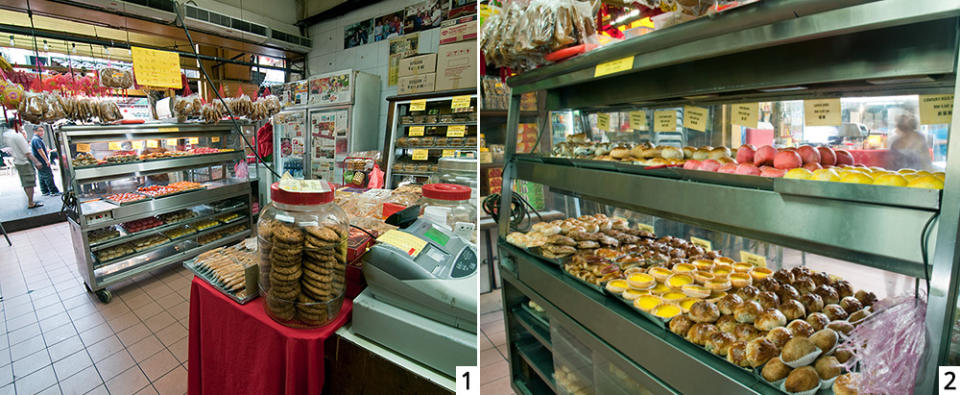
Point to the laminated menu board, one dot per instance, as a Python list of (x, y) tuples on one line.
[(331, 88), (293, 94)]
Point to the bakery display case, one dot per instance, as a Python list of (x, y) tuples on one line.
[(660, 160), (144, 196), (426, 127)]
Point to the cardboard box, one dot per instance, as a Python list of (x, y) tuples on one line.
[(416, 65), (416, 84), (458, 32), (457, 65)]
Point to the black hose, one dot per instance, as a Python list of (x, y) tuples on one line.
[(519, 211), (924, 235)]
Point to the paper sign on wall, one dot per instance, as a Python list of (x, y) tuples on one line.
[(665, 121), (705, 244), (822, 112), (172, 142), (936, 109), (746, 114), (215, 139), (448, 153), (167, 129), (420, 154), (418, 105), (137, 144), (156, 68), (415, 131), (152, 144), (614, 66), (603, 121), (456, 130), (460, 102), (114, 146), (638, 120), (753, 259), (82, 147), (645, 227), (194, 140), (695, 118)]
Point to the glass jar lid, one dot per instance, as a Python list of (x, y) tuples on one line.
[(300, 198), (452, 192)]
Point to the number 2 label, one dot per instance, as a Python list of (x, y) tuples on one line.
[(948, 380)]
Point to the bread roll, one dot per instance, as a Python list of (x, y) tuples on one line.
[(718, 153), (779, 336), (704, 311), (800, 328), (775, 370), (759, 351), (796, 348), (688, 152), (788, 292), (793, 309), (671, 153), (843, 327), (847, 384), (804, 285), (728, 303), (726, 323), (834, 312), (747, 312), (828, 293), (737, 354), (700, 332), (844, 288), (768, 300), (867, 299), (770, 319), (783, 276), (719, 343), (746, 332), (812, 302), (680, 325), (825, 339), (748, 293), (651, 153), (818, 320), (701, 154), (858, 316), (843, 355), (620, 153), (801, 379), (850, 304), (827, 367)]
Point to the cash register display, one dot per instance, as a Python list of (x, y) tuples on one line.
[(437, 236), (465, 265)]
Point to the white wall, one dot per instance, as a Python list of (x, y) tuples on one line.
[(279, 15), (328, 54)]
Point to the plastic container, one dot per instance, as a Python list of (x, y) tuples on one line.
[(450, 205), (302, 238), (460, 171)]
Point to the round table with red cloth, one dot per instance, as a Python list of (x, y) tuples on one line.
[(238, 349)]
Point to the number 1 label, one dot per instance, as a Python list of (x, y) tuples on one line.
[(467, 380)]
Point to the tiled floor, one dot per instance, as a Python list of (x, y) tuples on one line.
[(55, 337), (494, 368), (13, 202)]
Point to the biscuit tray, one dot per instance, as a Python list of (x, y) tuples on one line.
[(598, 288), (206, 277), (536, 251)]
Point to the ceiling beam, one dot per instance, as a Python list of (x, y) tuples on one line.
[(335, 11)]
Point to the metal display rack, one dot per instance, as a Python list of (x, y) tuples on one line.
[(819, 49), (400, 107), (224, 194)]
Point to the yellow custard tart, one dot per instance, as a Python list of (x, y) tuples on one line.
[(724, 261), (631, 270), (702, 277), (616, 286), (740, 280), (673, 296), (759, 273), (722, 268), (703, 264), (742, 267), (633, 294), (641, 281), (715, 296), (720, 284), (696, 291), (660, 289), (687, 303), (679, 280), (660, 273), (683, 268), (647, 302), (667, 310)]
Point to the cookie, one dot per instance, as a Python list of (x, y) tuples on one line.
[(315, 276), (282, 310), (286, 270), (312, 318), (277, 277), (309, 288), (319, 285), (296, 247), (265, 229), (287, 234), (323, 233), (285, 260)]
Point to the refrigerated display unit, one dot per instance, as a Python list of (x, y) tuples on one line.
[(311, 140)]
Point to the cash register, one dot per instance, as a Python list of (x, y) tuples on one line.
[(421, 296)]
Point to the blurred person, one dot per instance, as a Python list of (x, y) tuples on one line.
[(47, 185), (22, 160), (908, 148)]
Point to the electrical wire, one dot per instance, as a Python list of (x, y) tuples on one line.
[(924, 236), (193, 47), (520, 210)]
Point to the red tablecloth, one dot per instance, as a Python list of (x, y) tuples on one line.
[(238, 349)]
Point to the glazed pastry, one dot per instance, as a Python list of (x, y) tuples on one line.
[(737, 354), (835, 312), (728, 303), (797, 348), (680, 325), (812, 302), (704, 311), (788, 292), (844, 288), (800, 328), (699, 333), (858, 316), (843, 327), (850, 304), (827, 367), (748, 293), (747, 312), (768, 284), (770, 319), (847, 384), (828, 293), (720, 343), (745, 332), (843, 355), (802, 379), (804, 285), (726, 323), (783, 276), (759, 351), (867, 299), (825, 339), (793, 309), (821, 278), (818, 320), (768, 300), (779, 336), (775, 370)]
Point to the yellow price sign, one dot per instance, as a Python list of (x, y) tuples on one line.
[(695, 118), (456, 130), (172, 142), (936, 109), (705, 244), (645, 227), (137, 144), (114, 146), (194, 140), (152, 144), (215, 139), (449, 153), (460, 102), (418, 105), (746, 114), (156, 68), (406, 242), (83, 147), (420, 154), (614, 66), (665, 121), (167, 129), (753, 259), (638, 120), (415, 131), (822, 112), (603, 121)]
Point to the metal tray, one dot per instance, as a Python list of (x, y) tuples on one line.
[(535, 251), (632, 168), (598, 288), (595, 164), (927, 199), (737, 180), (190, 265), (660, 322), (145, 198), (556, 161), (529, 158)]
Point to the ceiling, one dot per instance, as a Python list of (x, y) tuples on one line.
[(314, 7)]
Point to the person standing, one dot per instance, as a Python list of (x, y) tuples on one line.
[(47, 185), (908, 148), (22, 160)]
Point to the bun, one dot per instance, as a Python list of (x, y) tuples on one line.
[(768, 300), (726, 323), (759, 351), (680, 325), (748, 293), (770, 319), (671, 153), (768, 284), (827, 367), (788, 292), (821, 278), (728, 303), (867, 299), (747, 312), (804, 284), (835, 312), (745, 332), (737, 354), (545, 228), (779, 336), (800, 328), (843, 355), (843, 327), (828, 293), (812, 302), (699, 333), (847, 384), (704, 311), (701, 154), (688, 152), (850, 304), (719, 152), (793, 310), (775, 370), (620, 153), (653, 152), (783, 276), (843, 288), (720, 343), (798, 347), (802, 379), (858, 316), (818, 320), (825, 339)]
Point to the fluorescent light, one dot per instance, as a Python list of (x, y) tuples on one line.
[(787, 89)]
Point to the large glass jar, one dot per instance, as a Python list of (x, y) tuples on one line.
[(461, 171), (302, 237), (450, 205)]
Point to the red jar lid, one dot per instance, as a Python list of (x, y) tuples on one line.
[(446, 191), (299, 198)]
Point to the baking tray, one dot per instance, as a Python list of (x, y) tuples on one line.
[(736, 180), (595, 164), (145, 198), (926, 199), (529, 158), (633, 168), (190, 265), (660, 322), (598, 288), (535, 251)]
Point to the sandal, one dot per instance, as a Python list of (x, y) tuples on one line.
[(35, 205)]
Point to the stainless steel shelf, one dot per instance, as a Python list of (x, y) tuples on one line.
[(537, 329), (539, 360), (125, 237), (877, 235), (471, 123), (462, 147), (99, 173), (78, 132)]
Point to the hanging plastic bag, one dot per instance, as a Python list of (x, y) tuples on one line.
[(376, 178)]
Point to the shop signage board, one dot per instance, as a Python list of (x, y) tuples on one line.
[(456, 130), (613, 66), (695, 118), (705, 244), (936, 109), (638, 120), (746, 114), (665, 121), (459, 102), (415, 131), (420, 154), (753, 259), (821, 112), (603, 121), (418, 105), (645, 227), (156, 68)]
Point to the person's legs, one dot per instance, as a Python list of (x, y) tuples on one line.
[(42, 181), (29, 192), (46, 181), (28, 179)]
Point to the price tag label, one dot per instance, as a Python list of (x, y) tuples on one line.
[(408, 243), (137, 144), (460, 102), (638, 120), (705, 244), (746, 114), (603, 121), (753, 259), (420, 154), (168, 129), (172, 142), (194, 140), (114, 146), (215, 139), (665, 121), (936, 109), (822, 112), (448, 153), (695, 118), (83, 147), (456, 130), (152, 144), (415, 131), (613, 66), (418, 105), (645, 228)]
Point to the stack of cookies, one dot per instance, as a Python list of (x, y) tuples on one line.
[(304, 270)]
